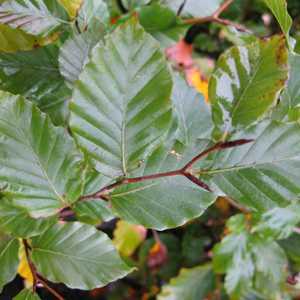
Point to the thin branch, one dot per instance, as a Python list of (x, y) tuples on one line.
[(218, 146), (77, 27), (156, 237), (42, 281), (197, 181), (186, 171), (226, 22), (37, 278), (181, 7), (30, 264), (215, 18), (222, 8)]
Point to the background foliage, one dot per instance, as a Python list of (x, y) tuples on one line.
[(136, 165)]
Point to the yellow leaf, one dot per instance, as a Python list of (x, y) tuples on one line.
[(13, 40), (200, 83), (127, 237), (24, 269), (71, 6)]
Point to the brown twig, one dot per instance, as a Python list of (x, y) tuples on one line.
[(37, 278), (42, 281), (218, 146), (30, 264), (224, 6), (215, 18), (186, 171)]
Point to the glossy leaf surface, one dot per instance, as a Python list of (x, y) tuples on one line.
[(121, 104), (37, 17), (46, 86), (40, 166), (18, 222), (193, 114), (77, 255), (264, 173), (164, 202), (9, 259), (93, 211), (247, 82), (74, 55)]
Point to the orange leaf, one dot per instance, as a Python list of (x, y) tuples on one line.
[(199, 82), (158, 255)]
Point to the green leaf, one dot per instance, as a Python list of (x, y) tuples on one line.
[(164, 202), (247, 82), (265, 173), (93, 212), (193, 114), (17, 221), (9, 260), (77, 255), (270, 261), (190, 284), (46, 86), (245, 257), (279, 222), (279, 10), (27, 294), (194, 8), (94, 181), (121, 107), (74, 54), (231, 256), (40, 165), (13, 40), (91, 13), (36, 17), (156, 18), (288, 108), (128, 237), (237, 37)]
